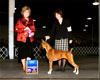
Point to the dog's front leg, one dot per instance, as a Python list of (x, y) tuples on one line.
[(50, 67)]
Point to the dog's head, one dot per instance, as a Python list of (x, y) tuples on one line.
[(43, 44)]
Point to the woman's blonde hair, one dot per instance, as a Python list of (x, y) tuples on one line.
[(24, 9)]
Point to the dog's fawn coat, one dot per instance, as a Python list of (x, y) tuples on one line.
[(54, 55)]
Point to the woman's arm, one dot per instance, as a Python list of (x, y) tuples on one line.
[(19, 27), (33, 30), (52, 32)]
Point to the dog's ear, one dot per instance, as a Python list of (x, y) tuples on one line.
[(42, 40)]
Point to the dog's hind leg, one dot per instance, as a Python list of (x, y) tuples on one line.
[(50, 67), (76, 68)]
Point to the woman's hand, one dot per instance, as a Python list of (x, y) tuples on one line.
[(47, 37), (70, 41), (32, 34), (27, 28)]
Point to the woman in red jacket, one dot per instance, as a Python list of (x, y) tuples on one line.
[(25, 35)]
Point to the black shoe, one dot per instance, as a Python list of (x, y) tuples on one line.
[(59, 69), (63, 70)]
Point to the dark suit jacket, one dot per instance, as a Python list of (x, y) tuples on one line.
[(60, 31)]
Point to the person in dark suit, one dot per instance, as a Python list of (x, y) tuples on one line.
[(61, 31)]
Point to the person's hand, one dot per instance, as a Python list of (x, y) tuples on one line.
[(27, 28), (47, 37), (32, 34), (70, 41)]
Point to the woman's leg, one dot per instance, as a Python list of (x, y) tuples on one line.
[(23, 64), (59, 64), (64, 63), (57, 46)]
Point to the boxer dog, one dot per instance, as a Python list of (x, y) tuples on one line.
[(54, 55)]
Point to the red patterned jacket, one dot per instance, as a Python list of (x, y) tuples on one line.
[(21, 33)]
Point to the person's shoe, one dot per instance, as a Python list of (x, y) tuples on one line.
[(23, 69), (63, 70), (59, 69)]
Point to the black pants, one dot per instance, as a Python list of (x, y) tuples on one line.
[(25, 49)]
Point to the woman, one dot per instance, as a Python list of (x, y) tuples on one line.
[(25, 29), (61, 32)]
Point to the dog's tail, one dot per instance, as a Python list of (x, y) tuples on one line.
[(71, 49)]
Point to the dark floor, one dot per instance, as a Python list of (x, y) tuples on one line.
[(12, 70)]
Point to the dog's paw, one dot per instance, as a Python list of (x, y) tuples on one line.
[(74, 70), (49, 72), (77, 73)]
